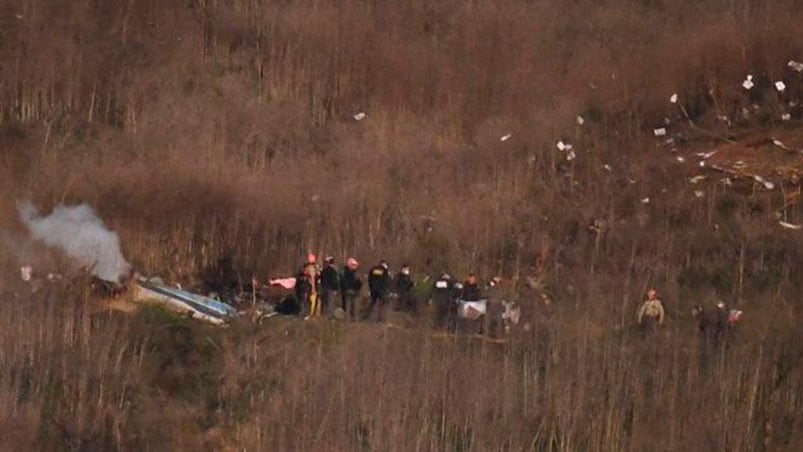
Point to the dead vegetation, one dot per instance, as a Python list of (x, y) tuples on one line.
[(222, 131)]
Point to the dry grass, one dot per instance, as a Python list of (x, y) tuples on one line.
[(207, 130)]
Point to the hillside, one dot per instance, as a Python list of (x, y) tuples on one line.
[(598, 148)]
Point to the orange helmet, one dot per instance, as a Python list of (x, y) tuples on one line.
[(310, 258)]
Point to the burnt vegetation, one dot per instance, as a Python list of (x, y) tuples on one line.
[(209, 132)]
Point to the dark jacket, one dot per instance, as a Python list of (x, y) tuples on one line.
[(330, 280), (350, 280), (442, 290), (404, 283), (471, 292), (379, 280)]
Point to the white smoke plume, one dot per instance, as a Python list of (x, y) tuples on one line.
[(79, 233)]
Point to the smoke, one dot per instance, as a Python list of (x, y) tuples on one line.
[(79, 233)]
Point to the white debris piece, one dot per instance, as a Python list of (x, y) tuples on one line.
[(645, 200), (26, 272), (767, 184), (659, 132), (680, 159), (795, 227), (706, 155), (702, 164), (607, 167), (786, 117), (580, 120), (699, 193), (780, 86), (571, 156), (505, 137), (726, 181), (697, 179), (748, 83), (561, 145), (360, 116), (667, 121), (780, 144), (674, 98), (798, 67)]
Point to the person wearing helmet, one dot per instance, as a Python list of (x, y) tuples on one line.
[(378, 285), (350, 286), (309, 294), (330, 285), (404, 288), (651, 311)]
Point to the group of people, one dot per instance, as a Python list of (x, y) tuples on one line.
[(714, 322), (328, 291)]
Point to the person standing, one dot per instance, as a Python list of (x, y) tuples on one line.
[(404, 288), (378, 285), (651, 311), (442, 299), (350, 286), (309, 273), (330, 285)]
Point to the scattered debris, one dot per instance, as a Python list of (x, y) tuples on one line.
[(780, 144), (667, 121), (780, 86), (795, 227), (699, 193), (786, 117), (674, 98), (26, 272), (680, 159), (706, 155), (506, 137), (767, 184), (564, 146), (798, 67), (645, 200), (571, 156), (659, 132), (748, 83), (195, 306), (702, 164), (607, 167), (359, 116), (580, 120), (697, 179)]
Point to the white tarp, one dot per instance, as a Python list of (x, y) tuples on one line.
[(471, 309)]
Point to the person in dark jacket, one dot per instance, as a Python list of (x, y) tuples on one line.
[(378, 284), (442, 299), (350, 286), (404, 288), (471, 289), (329, 285)]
